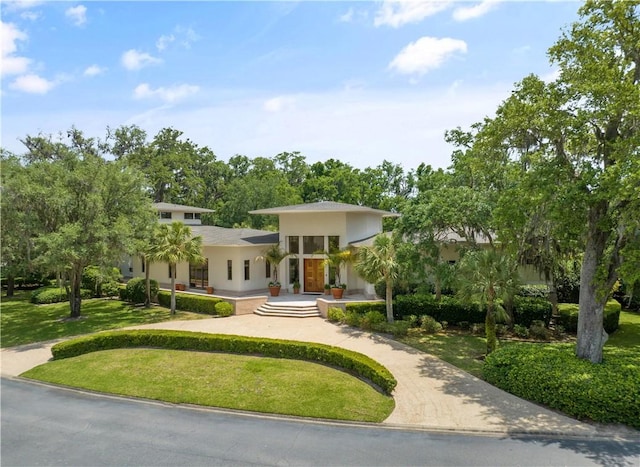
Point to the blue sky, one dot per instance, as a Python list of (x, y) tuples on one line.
[(356, 81)]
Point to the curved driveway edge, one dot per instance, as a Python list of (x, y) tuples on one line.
[(431, 394)]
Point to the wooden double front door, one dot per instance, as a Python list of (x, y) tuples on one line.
[(313, 275)]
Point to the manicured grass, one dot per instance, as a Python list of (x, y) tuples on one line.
[(628, 334), (258, 384), (23, 322), (460, 349)]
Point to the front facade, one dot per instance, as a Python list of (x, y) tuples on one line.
[(234, 266)]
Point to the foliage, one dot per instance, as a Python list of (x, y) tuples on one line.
[(552, 375), (348, 360), (398, 328), (335, 314), (274, 255), (450, 309), (529, 309), (335, 260), (429, 325), (521, 331), (533, 291), (136, 290), (190, 302), (539, 331), (352, 318), (362, 308), (568, 316), (371, 319), (100, 280), (54, 294), (223, 309)]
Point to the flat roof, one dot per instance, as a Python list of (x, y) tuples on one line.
[(170, 207), (324, 206)]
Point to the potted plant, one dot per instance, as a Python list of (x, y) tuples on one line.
[(296, 287), (336, 260), (274, 255), (327, 289), (209, 290)]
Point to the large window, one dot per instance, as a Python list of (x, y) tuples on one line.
[(229, 270), (294, 245), (294, 270), (247, 270), (191, 215), (199, 275), (334, 243), (313, 244), (165, 215)]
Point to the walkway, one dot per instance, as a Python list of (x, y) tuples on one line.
[(431, 394)]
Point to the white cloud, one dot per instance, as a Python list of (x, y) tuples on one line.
[(346, 17), (94, 70), (163, 41), (17, 5), (135, 60), (278, 104), (551, 76), (426, 54), (12, 64), (32, 84), (171, 94), (31, 15), (396, 13), (77, 14), (470, 12)]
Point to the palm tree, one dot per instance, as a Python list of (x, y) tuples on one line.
[(274, 256), (174, 245), (335, 260), (378, 262), (486, 276)]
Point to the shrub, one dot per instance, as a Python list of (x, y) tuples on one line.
[(350, 361), (136, 290), (371, 319), (363, 308), (501, 329), (110, 289), (448, 309), (190, 302), (335, 314), (568, 287), (537, 330), (568, 316), (554, 376), (529, 309), (430, 325), (534, 291), (398, 328), (352, 318), (223, 309), (45, 295), (478, 329), (521, 331), (101, 281)]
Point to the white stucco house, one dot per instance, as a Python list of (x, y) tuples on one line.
[(305, 231)]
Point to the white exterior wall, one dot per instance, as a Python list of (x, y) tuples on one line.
[(361, 226), (178, 216), (218, 257)]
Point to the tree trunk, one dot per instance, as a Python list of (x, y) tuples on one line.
[(147, 281), (438, 286), (553, 296), (11, 282), (173, 289), (75, 299), (591, 333), (490, 329), (389, 300)]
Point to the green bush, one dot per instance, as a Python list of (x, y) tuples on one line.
[(526, 310), (102, 282), (568, 316), (551, 374), (335, 314), (352, 318), (539, 331), (372, 318), (55, 294), (521, 331), (534, 291), (398, 328), (430, 325), (136, 290), (363, 308), (223, 309), (352, 362), (190, 302)]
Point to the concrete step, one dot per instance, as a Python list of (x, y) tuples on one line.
[(288, 310)]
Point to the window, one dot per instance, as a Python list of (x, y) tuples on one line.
[(334, 243), (246, 270), (199, 275), (267, 271), (294, 245), (313, 244), (196, 215), (229, 270), (188, 215), (294, 270), (165, 215)]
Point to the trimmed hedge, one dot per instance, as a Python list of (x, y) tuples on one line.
[(362, 308), (352, 362), (448, 309), (554, 376), (190, 302), (136, 290), (526, 310), (223, 309), (568, 316), (55, 294)]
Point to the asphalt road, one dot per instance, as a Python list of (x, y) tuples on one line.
[(44, 425)]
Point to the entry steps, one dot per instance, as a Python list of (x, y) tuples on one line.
[(288, 310)]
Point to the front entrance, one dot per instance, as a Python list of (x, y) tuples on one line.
[(313, 275)]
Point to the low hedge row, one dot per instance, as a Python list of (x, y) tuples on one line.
[(568, 316), (348, 360), (554, 376), (55, 295), (190, 302), (450, 309), (362, 308)]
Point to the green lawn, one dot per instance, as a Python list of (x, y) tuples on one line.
[(23, 322), (628, 334), (250, 383)]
